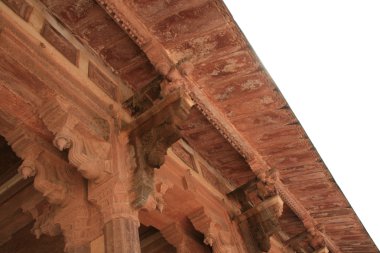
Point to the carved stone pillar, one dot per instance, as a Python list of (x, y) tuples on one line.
[(114, 197), (121, 235), (150, 147), (101, 155)]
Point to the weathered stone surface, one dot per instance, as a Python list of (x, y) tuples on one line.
[(242, 125)]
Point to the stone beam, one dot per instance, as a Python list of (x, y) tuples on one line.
[(60, 76)]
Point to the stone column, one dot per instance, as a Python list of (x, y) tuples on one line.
[(121, 235)]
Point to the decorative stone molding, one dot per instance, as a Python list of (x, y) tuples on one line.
[(87, 152), (113, 198)]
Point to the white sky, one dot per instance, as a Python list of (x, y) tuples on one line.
[(325, 58)]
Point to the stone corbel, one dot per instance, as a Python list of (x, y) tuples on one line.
[(151, 148), (215, 236), (68, 212), (30, 149), (310, 238), (79, 223), (261, 208), (51, 187), (156, 199), (315, 236), (181, 239), (90, 155)]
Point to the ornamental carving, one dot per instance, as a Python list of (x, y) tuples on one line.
[(150, 141), (308, 241), (181, 239), (151, 147), (215, 234), (68, 211), (261, 208), (89, 152)]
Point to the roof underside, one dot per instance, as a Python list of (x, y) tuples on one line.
[(232, 77)]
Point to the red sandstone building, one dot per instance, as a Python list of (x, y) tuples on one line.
[(151, 126)]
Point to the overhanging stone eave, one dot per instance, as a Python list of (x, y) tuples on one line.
[(152, 47)]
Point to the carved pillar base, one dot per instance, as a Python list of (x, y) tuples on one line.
[(121, 235), (79, 249)]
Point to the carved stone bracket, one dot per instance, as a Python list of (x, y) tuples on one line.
[(88, 149), (151, 148), (156, 199), (305, 242), (261, 208), (68, 211), (36, 163), (181, 239), (215, 234), (79, 222), (156, 132)]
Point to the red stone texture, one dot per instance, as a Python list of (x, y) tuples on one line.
[(24, 241)]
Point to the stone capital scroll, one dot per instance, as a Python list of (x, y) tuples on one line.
[(68, 211), (86, 138)]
